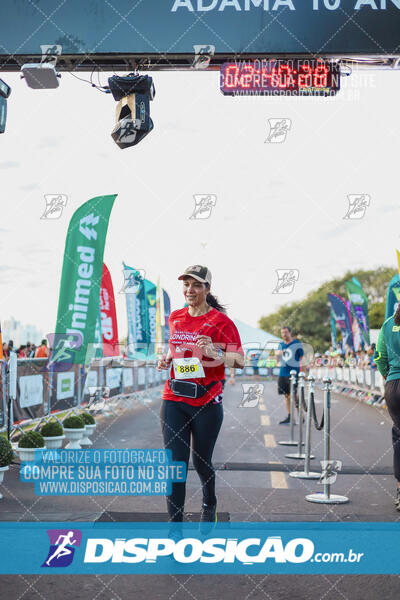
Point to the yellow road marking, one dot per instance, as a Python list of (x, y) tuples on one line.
[(278, 480), (261, 406), (265, 420), (269, 440)]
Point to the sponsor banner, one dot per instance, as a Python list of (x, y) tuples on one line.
[(231, 548), (64, 388), (150, 375), (231, 26), (141, 376), (78, 305), (113, 378), (136, 308), (109, 326), (333, 329), (151, 317), (392, 296), (167, 312), (91, 383), (343, 318), (97, 349), (65, 385), (359, 303), (32, 390), (92, 380), (160, 319), (127, 377), (3, 399)]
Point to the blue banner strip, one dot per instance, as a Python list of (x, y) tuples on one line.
[(230, 548)]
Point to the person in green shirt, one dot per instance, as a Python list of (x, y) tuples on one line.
[(387, 360)]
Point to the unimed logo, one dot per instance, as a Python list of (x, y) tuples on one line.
[(190, 550)]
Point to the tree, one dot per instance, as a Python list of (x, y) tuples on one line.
[(376, 313), (310, 318)]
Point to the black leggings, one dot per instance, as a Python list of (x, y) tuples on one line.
[(179, 420), (392, 398)]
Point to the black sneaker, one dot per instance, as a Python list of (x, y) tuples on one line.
[(397, 499), (208, 518), (285, 421)]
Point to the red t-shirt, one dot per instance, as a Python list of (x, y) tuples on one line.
[(182, 342)]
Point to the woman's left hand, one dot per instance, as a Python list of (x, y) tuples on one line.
[(205, 343)]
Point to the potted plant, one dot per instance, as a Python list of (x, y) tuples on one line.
[(53, 434), (90, 425), (74, 429), (28, 443), (6, 456)]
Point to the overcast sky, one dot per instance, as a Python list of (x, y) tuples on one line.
[(279, 206)]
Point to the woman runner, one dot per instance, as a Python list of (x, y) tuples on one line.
[(203, 341), (387, 359)]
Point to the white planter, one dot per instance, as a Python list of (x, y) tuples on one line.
[(2, 471), (53, 442), (74, 436), (27, 454), (89, 430)]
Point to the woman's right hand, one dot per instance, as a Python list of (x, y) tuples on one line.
[(164, 362)]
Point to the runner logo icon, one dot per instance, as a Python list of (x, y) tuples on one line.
[(286, 281), (252, 395), (278, 130), (358, 204), (204, 204), (330, 470), (62, 547), (55, 203)]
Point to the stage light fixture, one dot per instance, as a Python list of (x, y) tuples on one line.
[(40, 76), (5, 91), (133, 94)]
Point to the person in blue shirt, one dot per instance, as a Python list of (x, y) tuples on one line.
[(290, 352)]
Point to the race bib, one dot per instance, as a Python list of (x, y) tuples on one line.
[(188, 368)]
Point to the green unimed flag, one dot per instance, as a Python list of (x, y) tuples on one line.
[(78, 305)]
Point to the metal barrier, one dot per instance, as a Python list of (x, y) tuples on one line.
[(292, 441), (299, 454), (326, 497), (307, 474), (365, 384), (368, 380), (43, 392)]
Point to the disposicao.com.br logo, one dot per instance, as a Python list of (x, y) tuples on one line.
[(248, 551)]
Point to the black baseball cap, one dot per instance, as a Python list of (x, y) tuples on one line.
[(198, 272)]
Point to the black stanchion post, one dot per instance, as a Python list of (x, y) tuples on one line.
[(292, 441), (307, 474), (299, 455), (326, 497), (12, 388)]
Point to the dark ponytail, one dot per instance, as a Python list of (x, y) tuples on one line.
[(397, 315), (213, 301)]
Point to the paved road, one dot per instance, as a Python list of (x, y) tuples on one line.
[(253, 484)]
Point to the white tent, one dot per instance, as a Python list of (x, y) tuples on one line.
[(255, 338)]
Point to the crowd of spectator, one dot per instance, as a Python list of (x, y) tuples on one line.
[(27, 350), (363, 359)]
